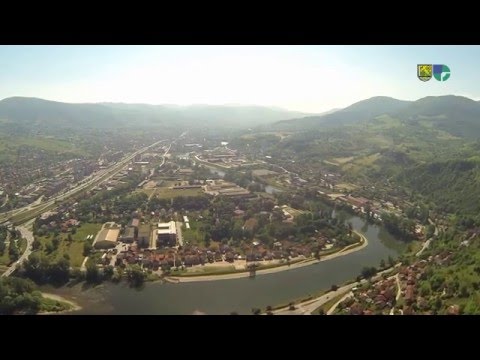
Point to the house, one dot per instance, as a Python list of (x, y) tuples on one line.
[(135, 222), (453, 310), (356, 309), (409, 294)]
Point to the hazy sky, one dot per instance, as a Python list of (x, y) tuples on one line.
[(305, 78)]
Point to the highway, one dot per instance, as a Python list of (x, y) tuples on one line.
[(96, 179)]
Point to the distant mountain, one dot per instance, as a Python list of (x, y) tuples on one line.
[(33, 112), (361, 111), (458, 115)]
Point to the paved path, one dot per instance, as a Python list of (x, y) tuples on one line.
[(332, 309), (179, 233)]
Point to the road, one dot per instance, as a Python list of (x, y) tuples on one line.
[(332, 309), (101, 176), (307, 307), (28, 235), (165, 154), (5, 202), (96, 179), (399, 293), (428, 242)]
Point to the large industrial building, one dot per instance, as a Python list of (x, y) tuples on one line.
[(144, 234), (107, 237), (167, 234), (129, 235)]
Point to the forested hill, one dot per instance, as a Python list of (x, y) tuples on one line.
[(361, 111), (33, 112), (456, 115), (453, 185)]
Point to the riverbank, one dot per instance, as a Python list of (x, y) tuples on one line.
[(310, 306), (71, 306), (244, 274)]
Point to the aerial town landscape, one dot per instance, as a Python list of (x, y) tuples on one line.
[(365, 210)]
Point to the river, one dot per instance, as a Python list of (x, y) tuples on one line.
[(240, 295)]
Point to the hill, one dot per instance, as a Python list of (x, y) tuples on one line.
[(356, 113), (26, 113), (458, 115)]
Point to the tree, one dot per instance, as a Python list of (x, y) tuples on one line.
[(382, 264), (69, 238), (13, 252), (334, 288), (108, 272), (36, 267), (56, 242), (92, 275), (49, 248), (87, 248), (256, 311), (368, 272), (59, 272), (135, 276), (3, 246), (350, 228), (36, 245), (391, 261)]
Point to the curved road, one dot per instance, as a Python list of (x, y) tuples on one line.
[(102, 176), (307, 307), (28, 235)]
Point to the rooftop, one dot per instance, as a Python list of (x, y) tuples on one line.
[(167, 228)]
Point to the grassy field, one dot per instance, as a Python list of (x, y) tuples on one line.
[(22, 245), (346, 186), (166, 193), (342, 160), (50, 305), (325, 307), (5, 259), (210, 269), (86, 229), (330, 163), (9, 145), (74, 248), (193, 236), (361, 163), (294, 212)]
